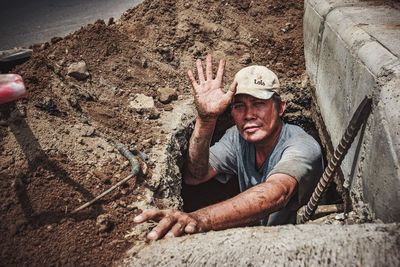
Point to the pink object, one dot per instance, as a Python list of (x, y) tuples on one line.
[(11, 87)]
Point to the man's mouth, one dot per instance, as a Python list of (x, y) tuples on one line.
[(250, 128)]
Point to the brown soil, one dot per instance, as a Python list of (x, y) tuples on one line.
[(55, 146)]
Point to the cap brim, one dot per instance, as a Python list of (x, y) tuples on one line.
[(256, 92)]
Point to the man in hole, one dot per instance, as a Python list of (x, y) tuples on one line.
[(277, 164)]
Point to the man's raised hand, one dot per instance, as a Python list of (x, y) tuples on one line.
[(209, 98)]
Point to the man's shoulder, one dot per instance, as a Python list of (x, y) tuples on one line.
[(294, 132), (295, 136)]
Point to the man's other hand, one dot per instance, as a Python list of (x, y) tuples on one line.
[(172, 223)]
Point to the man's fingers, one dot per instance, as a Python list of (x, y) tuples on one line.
[(192, 79), (191, 228), (230, 93), (220, 72), (162, 228), (209, 67), (200, 70), (228, 96), (148, 215), (233, 86), (177, 229)]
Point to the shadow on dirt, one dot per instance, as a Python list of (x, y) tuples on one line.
[(37, 159)]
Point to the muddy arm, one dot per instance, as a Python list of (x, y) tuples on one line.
[(197, 169), (250, 205), (243, 209), (210, 102)]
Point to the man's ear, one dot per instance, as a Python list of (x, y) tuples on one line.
[(282, 108)]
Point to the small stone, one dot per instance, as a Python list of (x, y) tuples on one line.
[(245, 59), (154, 114), (142, 103), (55, 40), (131, 207), (340, 217), (89, 131), (122, 204), (123, 192), (44, 46), (22, 111), (78, 71), (305, 81), (167, 94), (144, 168), (104, 223), (168, 108), (110, 21), (145, 63)]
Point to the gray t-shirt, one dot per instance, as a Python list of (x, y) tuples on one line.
[(296, 154)]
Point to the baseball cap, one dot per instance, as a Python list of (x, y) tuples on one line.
[(257, 81)]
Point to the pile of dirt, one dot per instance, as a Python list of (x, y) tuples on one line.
[(56, 146)]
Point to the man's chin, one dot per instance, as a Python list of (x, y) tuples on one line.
[(253, 137)]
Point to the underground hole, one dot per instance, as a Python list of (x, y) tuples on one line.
[(301, 111)]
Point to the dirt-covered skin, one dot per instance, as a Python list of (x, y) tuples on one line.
[(55, 146)]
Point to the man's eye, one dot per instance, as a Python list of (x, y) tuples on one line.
[(237, 106), (259, 103)]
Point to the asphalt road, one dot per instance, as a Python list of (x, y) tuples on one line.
[(25, 22)]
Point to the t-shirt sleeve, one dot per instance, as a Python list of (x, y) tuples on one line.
[(303, 161), (223, 155)]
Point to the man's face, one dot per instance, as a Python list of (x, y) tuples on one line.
[(256, 119)]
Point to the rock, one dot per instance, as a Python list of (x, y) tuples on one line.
[(245, 59), (168, 108), (89, 131), (131, 207), (110, 21), (48, 105), (142, 103), (154, 114), (104, 223), (78, 71), (55, 40), (167, 94), (145, 63)]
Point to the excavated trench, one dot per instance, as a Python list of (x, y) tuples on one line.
[(166, 181), (302, 111), (319, 242)]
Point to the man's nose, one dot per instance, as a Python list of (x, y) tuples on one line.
[(249, 113)]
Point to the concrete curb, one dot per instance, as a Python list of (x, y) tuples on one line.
[(352, 50), (302, 245)]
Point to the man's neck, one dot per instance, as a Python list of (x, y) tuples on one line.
[(264, 149)]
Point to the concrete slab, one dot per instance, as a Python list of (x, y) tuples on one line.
[(352, 50), (302, 245)]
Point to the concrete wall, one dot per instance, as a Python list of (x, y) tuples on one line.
[(352, 49)]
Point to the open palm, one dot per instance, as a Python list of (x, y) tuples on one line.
[(209, 98)]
